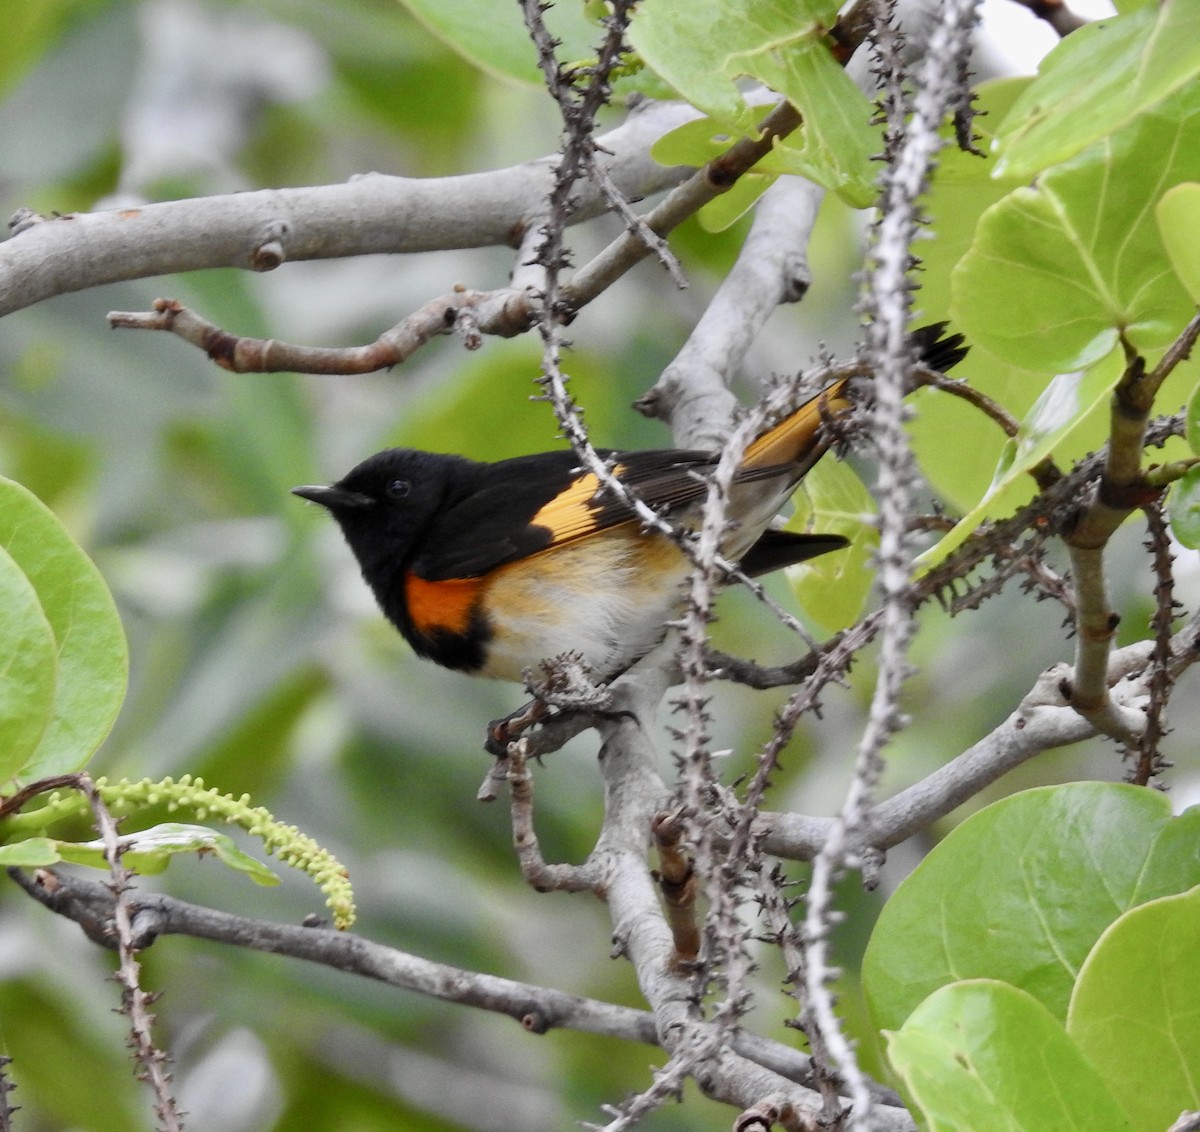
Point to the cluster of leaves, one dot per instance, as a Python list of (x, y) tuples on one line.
[(1057, 277), (66, 676), (1038, 966)]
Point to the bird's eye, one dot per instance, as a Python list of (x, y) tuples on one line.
[(398, 489)]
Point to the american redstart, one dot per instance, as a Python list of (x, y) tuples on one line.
[(493, 568)]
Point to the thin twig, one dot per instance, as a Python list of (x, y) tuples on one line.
[(540, 875), (1056, 14), (504, 313), (677, 881)]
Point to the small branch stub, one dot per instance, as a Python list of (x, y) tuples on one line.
[(677, 882), (763, 1116), (270, 249)]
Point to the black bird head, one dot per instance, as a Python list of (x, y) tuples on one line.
[(386, 503)]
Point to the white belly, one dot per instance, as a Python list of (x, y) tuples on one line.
[(607, 599)]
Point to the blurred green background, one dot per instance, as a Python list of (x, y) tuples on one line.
[(258, 659)]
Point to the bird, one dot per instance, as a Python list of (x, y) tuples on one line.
[(493, 568)]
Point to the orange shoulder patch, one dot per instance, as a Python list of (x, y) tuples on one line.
[(446, 605)]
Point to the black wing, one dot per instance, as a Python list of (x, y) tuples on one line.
[(515, 508)]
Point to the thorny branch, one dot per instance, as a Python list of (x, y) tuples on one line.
[(579, 107), (911, 144), (135, 1002), (7, 1108), (1149, 759)]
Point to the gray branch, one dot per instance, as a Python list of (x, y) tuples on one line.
[(536, 1009), (370, 214)]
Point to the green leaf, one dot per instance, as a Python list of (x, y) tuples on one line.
[(1023, 889), (703, 48), (87, 637), (1055, 271), (1097, 80), (1183, 509), (493, 37), (984, 1056), (28, 672), (1178, 216), (833, 588), (836, 141), (694, 143), (32, 853), (731, 206), (149, 851), (1135, 1012)]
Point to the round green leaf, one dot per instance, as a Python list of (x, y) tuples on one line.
[(28, 671), (1136, 1009), (1178, 216), (704, 48), (1098, 79), (92, 658), (985, 1056), (1055, 271), (1022, 890)]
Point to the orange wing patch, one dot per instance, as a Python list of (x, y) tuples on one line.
[(444, 605), (794, 438), (572, 513)]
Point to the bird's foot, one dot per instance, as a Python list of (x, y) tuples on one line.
[(510, 728), (566, 688)]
